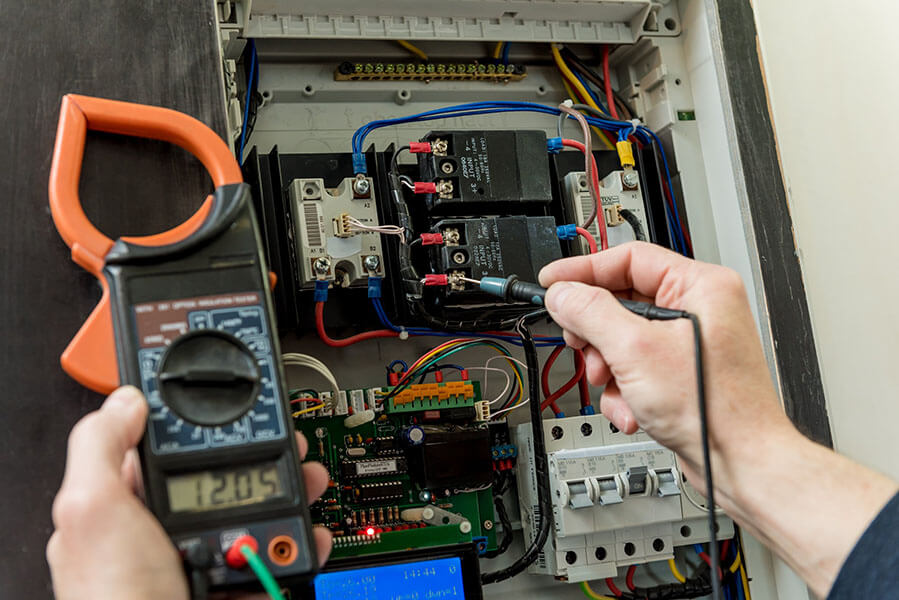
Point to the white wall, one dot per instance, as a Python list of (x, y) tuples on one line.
[(833, 76)]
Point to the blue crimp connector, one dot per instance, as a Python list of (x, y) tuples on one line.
[(321, 291), (359, 164), (374, 287), (554, 145), (566, 232), (560, 415), (587, 410)]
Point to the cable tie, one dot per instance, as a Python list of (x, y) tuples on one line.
[(431, 239), (359, 163), (321, 290), (424, 187), (566, 232), (374, 286), (634, 124), (434, 279), (554, 145), (420, 147), (568, 102)]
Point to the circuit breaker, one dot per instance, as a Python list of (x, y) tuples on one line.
[(618, 500)]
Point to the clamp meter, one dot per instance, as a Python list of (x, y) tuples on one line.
[(186, 315)]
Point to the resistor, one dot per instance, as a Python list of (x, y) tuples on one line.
[(380, 515), (371, 515), (332, 484), (355, 517), (321, 448), (334, 508), (359, 439), (331, 500)]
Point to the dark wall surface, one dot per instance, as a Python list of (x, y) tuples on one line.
[(150, 51)]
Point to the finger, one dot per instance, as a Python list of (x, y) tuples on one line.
[(637, 265), (316, 478), (573, 340), (594, 315), (598, 372), (131, 471), (323, 542), (302, 444), (616, 410), (99, 441)]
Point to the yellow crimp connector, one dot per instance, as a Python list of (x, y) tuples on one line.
[(626, 154), (434, 396)]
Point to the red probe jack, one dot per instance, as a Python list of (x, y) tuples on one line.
[(234, 558)]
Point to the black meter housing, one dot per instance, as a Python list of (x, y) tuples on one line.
[(195, 331)]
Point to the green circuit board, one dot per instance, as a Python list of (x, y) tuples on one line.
[(372, 482)]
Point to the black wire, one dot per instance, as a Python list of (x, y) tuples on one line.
[(706, 457), (634, 221), (540, 459)]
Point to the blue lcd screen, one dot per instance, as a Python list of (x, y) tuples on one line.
[(439, 579)]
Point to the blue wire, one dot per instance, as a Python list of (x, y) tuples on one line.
[(398, 362), (246, 103), (622, 128), (506, 52), (423, 331), (593, 96)]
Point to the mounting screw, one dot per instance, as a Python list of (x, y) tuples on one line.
[(459, 257), (488, 524), (322, 265), (447, 167), (361, 186), (630, 179), (465, 526), (372, 262)]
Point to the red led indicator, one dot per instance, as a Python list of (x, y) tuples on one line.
[(370, 531)]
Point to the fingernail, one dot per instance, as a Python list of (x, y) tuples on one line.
[(555, 297)]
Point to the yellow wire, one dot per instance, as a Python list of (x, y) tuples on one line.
[(677, 574), (498, 50), (308, 410), (585, 587), (595, 129), (737, 563), (745, 581), (566, 72), (413, 49)]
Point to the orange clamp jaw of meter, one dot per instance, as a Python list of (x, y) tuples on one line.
[(90, 358)]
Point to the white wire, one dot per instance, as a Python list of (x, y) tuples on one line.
[(498, 357), (293, 359), (503, 371), (407, 181), (499, 412), (385, 229)]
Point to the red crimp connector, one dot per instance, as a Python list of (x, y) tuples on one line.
[(419, 147), (438, 376), (393, 378), (425, 187), (464, 374), (435, 279), (431, 239)]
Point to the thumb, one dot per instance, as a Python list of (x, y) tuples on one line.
[(98, 443), (593, 314)]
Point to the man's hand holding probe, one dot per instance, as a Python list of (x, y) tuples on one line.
[(807, 503)]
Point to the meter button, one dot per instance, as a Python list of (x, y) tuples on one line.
[(208, 377)]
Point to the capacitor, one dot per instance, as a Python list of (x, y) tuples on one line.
[(425, 496), (414, 435)]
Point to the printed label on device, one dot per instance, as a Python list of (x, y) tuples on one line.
[(376, 467), (242, 315)]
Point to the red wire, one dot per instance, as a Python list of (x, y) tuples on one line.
[(725, 546), (359, 337), (610, 97), (550, 398), (600, 218), (705, 558), (583, 386), (610, 583), (629, 579), (298, 400), (591, 242)]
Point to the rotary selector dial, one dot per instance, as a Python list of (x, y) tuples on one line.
[(208, 377)]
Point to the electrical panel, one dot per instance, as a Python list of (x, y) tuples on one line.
[(617, 499), (619, 190)]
